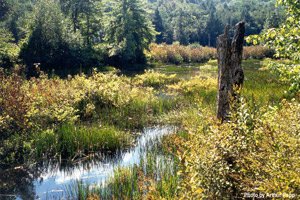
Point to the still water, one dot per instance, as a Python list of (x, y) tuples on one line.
[(53, 180)]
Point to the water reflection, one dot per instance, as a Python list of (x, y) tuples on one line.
[(16, 182), (53, 179)]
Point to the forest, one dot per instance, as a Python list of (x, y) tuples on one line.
[(149, 99), (69, 34)]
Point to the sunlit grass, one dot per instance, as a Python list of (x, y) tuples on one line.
[(259, 84), (108, 115), (154, 177), (137, 114), (196, 102), (71, 141)]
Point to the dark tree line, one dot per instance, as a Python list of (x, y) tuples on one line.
[(67, 34), (201, 21)]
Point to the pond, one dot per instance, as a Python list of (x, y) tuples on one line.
[(53, 180)]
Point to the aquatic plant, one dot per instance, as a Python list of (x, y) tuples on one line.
[(75, 141), (153, 178)]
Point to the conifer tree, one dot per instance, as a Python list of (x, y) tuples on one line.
[(48, 39), (86, 17), (159, 27), (129, 31)]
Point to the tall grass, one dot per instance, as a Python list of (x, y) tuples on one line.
[(262, 85), (257, 52), (71, 141), (155, 79), (178, 54), (155, 177)]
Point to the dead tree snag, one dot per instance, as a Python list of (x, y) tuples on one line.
[(230, 71)]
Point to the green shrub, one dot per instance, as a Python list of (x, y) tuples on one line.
[(40, 103), (9, 50), (288, 72), (255, 151)]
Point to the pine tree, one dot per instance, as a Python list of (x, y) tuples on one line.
[(213, 26), (273, 20), (179, 33), (159, 27), (86, 17), (48, 39), (129, 31), (4, 8)]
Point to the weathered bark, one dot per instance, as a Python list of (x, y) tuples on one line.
[(224, 73), (230, 71), (237, 54)]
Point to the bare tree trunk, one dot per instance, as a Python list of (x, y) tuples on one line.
[(237, 54), (224, 73), (230, 72)]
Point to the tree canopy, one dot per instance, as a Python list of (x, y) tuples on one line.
[(129, 31), (285, 38), (73, 33), (286, 42)]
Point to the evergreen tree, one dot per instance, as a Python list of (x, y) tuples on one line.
[(86, 16), (129, 31), (4, 8), (8, 49), (251, 27), (213, 26), (48, 40), (16, 20), (273, 20), (180, 34), (159, 27), (64, 33)]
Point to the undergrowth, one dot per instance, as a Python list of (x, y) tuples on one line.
[(194, 53), (255, 151), (51, 111)]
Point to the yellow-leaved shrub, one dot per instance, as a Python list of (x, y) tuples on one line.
[(44, 102), (256, 151), (194, 88), (155, 79)]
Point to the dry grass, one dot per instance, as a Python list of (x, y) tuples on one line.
[(177, 54)]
